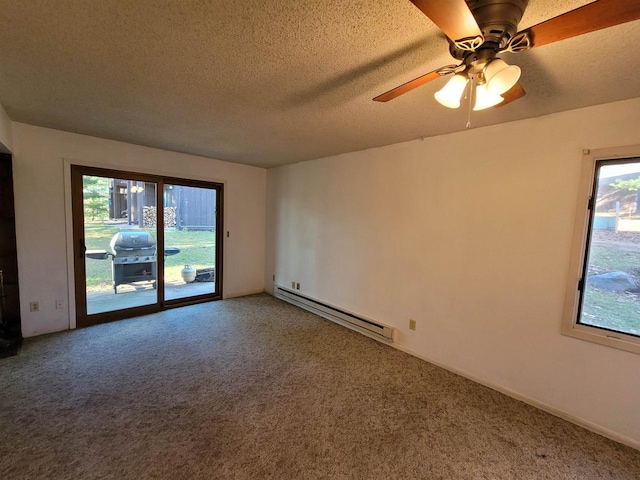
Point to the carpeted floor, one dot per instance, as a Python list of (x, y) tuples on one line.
[(257, 388)]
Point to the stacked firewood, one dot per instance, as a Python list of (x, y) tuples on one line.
[(149, 217), (170, 217)]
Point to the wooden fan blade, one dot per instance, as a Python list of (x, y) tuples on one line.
[(514, 93), (453, 17), (407, 87), (589, 18)]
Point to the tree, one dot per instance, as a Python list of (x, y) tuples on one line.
[(631, 185), (95, 191)]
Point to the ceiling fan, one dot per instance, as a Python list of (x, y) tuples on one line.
[(479, 30)]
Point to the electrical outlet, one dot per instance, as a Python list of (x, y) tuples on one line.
[(297, 286), (59, 304), (293, 285), (34, 306), (412, 324), (274, 278)]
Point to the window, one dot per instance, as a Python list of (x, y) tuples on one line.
[(603, 294)]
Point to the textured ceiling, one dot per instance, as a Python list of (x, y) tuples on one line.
[(268, 82)]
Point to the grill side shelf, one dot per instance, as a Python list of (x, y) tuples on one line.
[(97, 254)]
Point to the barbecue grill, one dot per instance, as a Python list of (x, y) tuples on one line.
[(133, 258)]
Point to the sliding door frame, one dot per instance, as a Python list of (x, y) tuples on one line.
[(83, 319), (219, 188)]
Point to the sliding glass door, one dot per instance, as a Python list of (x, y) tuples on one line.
[(143, 242)]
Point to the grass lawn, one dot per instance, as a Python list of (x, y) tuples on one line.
[(607, 256), (612, 252), (616, 311), (197, 248)]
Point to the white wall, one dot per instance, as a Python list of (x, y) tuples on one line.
[(470, 235), (38, 162), (6, 137)]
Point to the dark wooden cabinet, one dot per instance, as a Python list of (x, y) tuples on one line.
[(10, 325)]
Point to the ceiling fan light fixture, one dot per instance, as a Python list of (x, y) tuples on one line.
[(501, 76), (450, 94), (485, 98)]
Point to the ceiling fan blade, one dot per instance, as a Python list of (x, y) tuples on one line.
[(453, 17), (514, 93), (415, 83), (588, 18)]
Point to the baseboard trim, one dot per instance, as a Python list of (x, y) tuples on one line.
[(242, 294), (581, 422), (46, 331)]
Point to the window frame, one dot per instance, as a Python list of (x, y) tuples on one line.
[(579, 250)]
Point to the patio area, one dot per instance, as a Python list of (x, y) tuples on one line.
[(142, 293)]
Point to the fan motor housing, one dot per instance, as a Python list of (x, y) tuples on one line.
[(498, 20)]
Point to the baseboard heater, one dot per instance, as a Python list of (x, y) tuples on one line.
[(348, 319)]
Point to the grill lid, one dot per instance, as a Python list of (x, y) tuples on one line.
[(131, 241)]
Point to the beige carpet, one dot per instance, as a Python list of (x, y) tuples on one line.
[(256, 388)]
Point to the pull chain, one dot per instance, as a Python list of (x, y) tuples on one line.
[(470, 95)]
